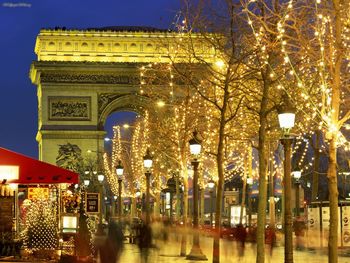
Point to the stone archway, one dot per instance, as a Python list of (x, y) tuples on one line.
[(82, 76)]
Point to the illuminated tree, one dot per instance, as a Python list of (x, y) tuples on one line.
[(41, 226), (220, 83), (314, 41), (178, 112)]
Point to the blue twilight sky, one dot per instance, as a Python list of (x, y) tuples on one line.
[(19, 25)]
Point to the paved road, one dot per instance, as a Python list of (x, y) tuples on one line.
[(230, 253)]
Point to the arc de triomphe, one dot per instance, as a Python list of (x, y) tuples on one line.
[(82, 76)]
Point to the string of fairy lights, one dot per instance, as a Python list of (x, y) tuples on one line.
[(315, 108)]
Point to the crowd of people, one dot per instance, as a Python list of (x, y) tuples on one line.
[(152, 236)]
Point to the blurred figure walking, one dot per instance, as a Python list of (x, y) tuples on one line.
[(145, 241), (270, 238), (241, 237), (113, 245)]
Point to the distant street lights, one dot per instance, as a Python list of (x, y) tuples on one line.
[(195, 149), (286, 117), (100, 179), (147, 163), (119, 170), (211, 185)]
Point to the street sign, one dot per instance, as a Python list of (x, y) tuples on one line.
[(92, 201)]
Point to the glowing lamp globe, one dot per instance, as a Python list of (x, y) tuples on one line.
[(286, 115), (86, 182), (297, 174), (249, 181), (100, 178), (119, 169), (211, 184), (147, 160), (195, 144)]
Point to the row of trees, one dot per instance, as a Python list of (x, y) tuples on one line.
[(233, 65)]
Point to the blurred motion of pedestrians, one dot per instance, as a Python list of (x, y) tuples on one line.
[(241, 237), (113, 245), (145, 241), (270, 238)]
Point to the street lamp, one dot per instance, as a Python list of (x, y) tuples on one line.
[(297, 175), (86, 182), (286, 118), (195, 149), (147, 163), (250, 182), (100, 179), (119, 170), (211, 185)]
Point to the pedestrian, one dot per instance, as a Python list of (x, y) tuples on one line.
[(113, 245), (270, 238), (145, 241), (241, 236)]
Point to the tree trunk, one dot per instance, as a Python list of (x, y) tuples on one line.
[(333, 136), (315, 176), (219, 195), (177, 206), (220, 185), (333, 202), (244, 188), (260, 234)]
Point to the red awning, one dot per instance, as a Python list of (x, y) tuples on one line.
[(33, 171)]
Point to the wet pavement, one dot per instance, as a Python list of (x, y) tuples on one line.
[(169, 251)]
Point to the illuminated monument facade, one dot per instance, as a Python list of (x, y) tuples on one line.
[(82, 76)]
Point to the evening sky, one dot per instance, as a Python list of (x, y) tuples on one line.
[(21, 23)]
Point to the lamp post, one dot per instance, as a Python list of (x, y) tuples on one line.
[(86, 183), (119, 170), (100, 179), (211, 185), (297, 175), (250, 182), (195, 149), (286, 117), (147, 163), (137, 194)]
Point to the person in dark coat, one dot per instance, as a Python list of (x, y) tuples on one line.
[(113, 246), (145, 241), (241, 236)]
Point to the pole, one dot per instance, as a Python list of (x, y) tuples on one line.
[(272, 208), (211, 207), (119, 198), (288, 231), (148, 175), (249, 207), (196, 252), (177, 187), (100, 228), (297, 198)]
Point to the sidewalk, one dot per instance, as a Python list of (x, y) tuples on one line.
[(229, 253)]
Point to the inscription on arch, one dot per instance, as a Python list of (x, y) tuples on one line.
[(69, 108), (90, 78)]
